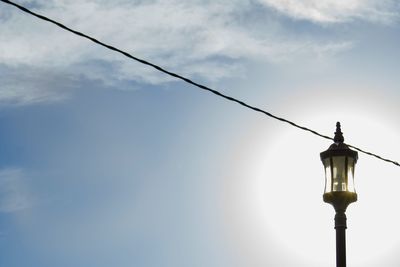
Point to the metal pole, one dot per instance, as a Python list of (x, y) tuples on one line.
[(340, 226)]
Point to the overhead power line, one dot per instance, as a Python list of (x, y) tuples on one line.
[(187, 80)]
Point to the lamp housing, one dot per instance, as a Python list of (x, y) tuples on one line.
[(339, 162)]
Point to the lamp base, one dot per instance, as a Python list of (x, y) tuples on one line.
[(340, 200)]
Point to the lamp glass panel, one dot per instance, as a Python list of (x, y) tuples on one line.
[(339, 173), (328, 175), (350, 175)]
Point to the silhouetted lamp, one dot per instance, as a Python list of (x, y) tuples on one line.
[(339, 162)]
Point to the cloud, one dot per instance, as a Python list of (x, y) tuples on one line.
[(333, 11), (13, 191), (207, 40), (27, 84)]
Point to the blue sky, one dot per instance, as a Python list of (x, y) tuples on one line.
[(105, 162)]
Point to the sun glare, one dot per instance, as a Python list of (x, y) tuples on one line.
[(276, 197)]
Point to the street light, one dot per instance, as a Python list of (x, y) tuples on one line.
[(339, 162)]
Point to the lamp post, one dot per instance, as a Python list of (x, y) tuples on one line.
[(339, 161)]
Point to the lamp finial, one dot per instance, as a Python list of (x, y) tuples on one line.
[(338, 134)]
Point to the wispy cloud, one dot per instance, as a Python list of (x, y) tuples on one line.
[(13, 191), (204, 39), (332, 11)]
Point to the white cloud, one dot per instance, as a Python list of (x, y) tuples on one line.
[(333, 11), (203, 39), (13, 191), (173, 32)]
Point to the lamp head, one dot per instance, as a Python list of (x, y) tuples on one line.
[(339, 162)]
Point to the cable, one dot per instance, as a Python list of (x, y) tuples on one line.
[(374, 155), (187, 80)]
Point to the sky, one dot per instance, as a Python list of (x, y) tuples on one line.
[(106, 162)]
